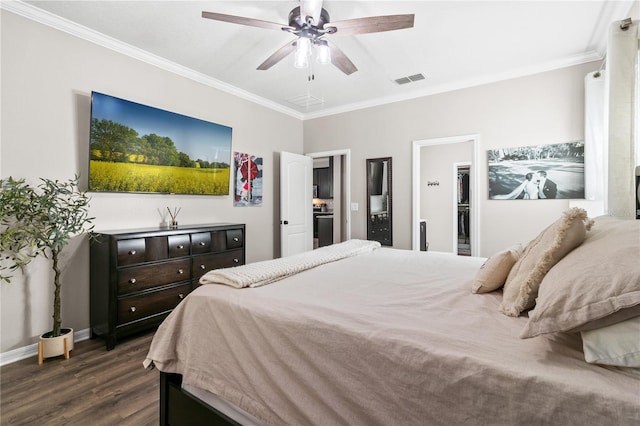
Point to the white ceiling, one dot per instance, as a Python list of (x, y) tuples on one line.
[(455, 44)]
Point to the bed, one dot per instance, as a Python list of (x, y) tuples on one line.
[(389, 336)]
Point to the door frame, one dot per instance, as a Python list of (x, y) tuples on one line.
[(346, 180), (474, 182)]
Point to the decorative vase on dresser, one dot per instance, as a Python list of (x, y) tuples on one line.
[(139, 276)]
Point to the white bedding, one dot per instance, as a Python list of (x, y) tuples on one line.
[(391, 337), (260, 273)]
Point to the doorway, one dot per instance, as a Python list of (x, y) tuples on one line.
[(430, 184), (462, 207), (338, 216)]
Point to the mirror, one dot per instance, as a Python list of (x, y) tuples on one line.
[(379, 200)]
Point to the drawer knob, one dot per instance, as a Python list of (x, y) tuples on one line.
[(236, 239), (132, 252), (235, 260), (181, 296), (202, 243), (132, 281), (180, 246), (203, 267), (132, 309), (181, 271)]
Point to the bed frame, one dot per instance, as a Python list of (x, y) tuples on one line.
[(178, 407)]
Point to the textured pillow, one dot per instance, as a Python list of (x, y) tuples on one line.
[(494, 271), (617, 344), (551, 245), (596, 285)]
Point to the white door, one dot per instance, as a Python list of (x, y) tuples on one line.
[(296, 203)]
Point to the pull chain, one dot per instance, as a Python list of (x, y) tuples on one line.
[(311, 76)]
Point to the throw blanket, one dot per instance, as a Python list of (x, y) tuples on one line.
[(268, 271)]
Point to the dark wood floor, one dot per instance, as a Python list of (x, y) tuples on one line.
[(93, 387)]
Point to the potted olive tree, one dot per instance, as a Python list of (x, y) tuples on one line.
[(37, 221)]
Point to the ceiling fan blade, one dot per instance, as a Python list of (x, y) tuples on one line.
[(243, 21), (279, 55), (372, 24), (340, 60), (311, 8)]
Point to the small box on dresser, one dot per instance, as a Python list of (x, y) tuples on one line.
[(139, 276)]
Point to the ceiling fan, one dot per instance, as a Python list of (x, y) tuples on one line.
[(311, 24)]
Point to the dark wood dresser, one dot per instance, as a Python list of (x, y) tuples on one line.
[(139, 276), (379, 229)]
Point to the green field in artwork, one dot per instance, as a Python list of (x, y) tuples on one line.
[(105, 176)]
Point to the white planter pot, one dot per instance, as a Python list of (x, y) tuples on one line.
[(54, 346)]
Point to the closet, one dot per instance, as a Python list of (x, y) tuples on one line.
[(463, 210)]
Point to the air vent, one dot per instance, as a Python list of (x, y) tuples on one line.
[(410, 79), (305, 100)]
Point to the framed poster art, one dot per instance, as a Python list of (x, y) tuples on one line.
[(142, 149), (537, 172), (247, 179)]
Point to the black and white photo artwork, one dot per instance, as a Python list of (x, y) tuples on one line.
[(537, 172)]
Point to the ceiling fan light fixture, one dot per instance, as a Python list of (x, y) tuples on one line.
[(310, 22), (300, 61), (324, 53), (303, 51)]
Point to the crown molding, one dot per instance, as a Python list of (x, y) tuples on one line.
[(463, 84), (54, 21), (611, 11)]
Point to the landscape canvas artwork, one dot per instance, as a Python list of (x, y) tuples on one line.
[(138, 148), (248, 179), (554, 171)]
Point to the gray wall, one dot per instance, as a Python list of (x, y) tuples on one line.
[(47, 79), (436, 205), (544, 108)]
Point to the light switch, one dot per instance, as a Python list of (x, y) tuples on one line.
[(354, 207)]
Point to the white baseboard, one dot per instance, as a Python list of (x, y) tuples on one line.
[(32, 350)]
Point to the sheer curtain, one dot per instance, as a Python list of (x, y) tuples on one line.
[(621, 118), (595, 152)]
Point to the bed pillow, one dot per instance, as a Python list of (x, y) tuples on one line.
[(617, 344), (494, 271), (551, 245), (596, 285)]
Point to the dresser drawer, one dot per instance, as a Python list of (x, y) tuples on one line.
[(381, 235), (201, 242), (234, 239), (143, 277), (139, 276), (144, 305), (207, 262), (179, 245), (131, 251)]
